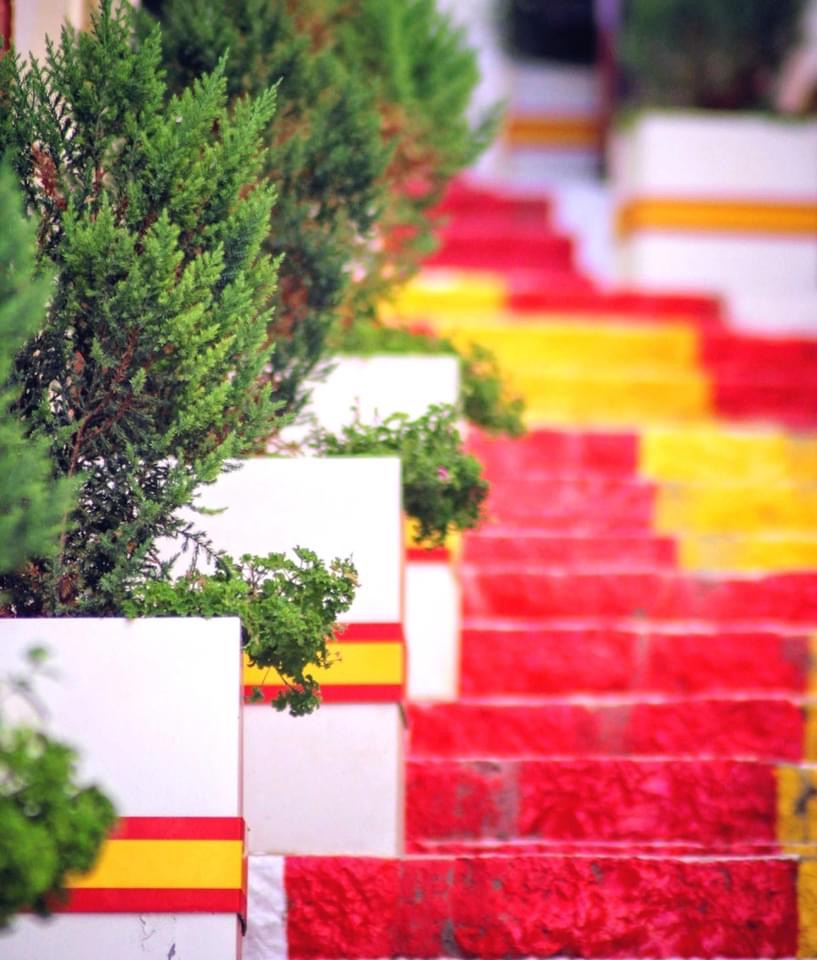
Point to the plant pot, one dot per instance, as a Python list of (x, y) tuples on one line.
[(331, 782), (154, 709), (377, 386), (723, 202)]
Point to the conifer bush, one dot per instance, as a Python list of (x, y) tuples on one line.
[(50, 825), (150, 372)]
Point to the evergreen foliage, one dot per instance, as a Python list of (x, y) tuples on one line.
[(696, 53), (149, 372), (325, 153), (443, 487), (50, 825), (32, 504), (423, 74)]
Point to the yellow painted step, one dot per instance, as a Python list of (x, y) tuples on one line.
[(704, 453), (581, 345), (748, 554), (451, 291), (736, 507), (588, 399)]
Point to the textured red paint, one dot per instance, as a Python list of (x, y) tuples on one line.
[(556, 450), (711, 802), (768, 729), (790, 598), (540, 907), (702, 312), (568, 551), (469, 248), (469, 200), (540, 659)]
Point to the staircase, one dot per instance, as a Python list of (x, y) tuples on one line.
[(626, 772)]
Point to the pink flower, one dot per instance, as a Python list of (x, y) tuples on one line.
[(443, 473)]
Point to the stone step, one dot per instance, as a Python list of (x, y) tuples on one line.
[(507, 591), (508, 659), (344, 908), (712, 802), (760, 728), (497, 543)]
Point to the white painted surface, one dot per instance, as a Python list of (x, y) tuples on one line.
[(153, 706), (330, 783), (724, 263), (337, 506), (557, 89), (381, 385), (36, 19), (699, 154), (266, 910), (755, 313), (122, 936), (432, 631)]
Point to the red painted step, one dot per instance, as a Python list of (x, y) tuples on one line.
[(511, 659), (763, 728), (558, 451), (492, 545), (497, 591), (716, 803), (472, 201), (471, 248), (546, 906)]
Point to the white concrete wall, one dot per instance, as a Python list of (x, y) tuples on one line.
[(36, 19), (153, 707), (432, 630)]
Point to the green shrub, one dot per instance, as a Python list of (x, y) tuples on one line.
[(443, 487), (698, 53), (50, 826), (149, 371), (288, 609), (325, 153)]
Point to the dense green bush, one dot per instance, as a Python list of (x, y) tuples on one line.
[(443, 487), (698, 53), (50, 825), (325, 154), (288, 609), (148, 373)]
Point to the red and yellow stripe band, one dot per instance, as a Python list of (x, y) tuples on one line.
[(368, 667), (567, 132), (714, 215), (165, 865)]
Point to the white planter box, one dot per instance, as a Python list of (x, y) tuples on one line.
[(154, 708), (725, 203), (378, 386), (332, 782)]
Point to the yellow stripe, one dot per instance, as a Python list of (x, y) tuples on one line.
[(713, 215), (747, 554), (807, 908), (355, 663), (166, 864), (811, 687), (450, 291), (736, 508), (552, 131)]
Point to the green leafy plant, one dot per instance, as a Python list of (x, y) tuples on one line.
[(325, 153), (423, 74), (288, 608), (443, 487), (50, 825), (485, 398), (695, 53), (149, 372)]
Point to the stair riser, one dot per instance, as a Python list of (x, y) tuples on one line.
[(542, 661), (540, 907), (713, 803), (766, 729), (504, 592), (570, 552)]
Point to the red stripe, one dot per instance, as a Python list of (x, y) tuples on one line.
[(434, 555), (375, 632), (346, 693), (150, 901), (179, 828)]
